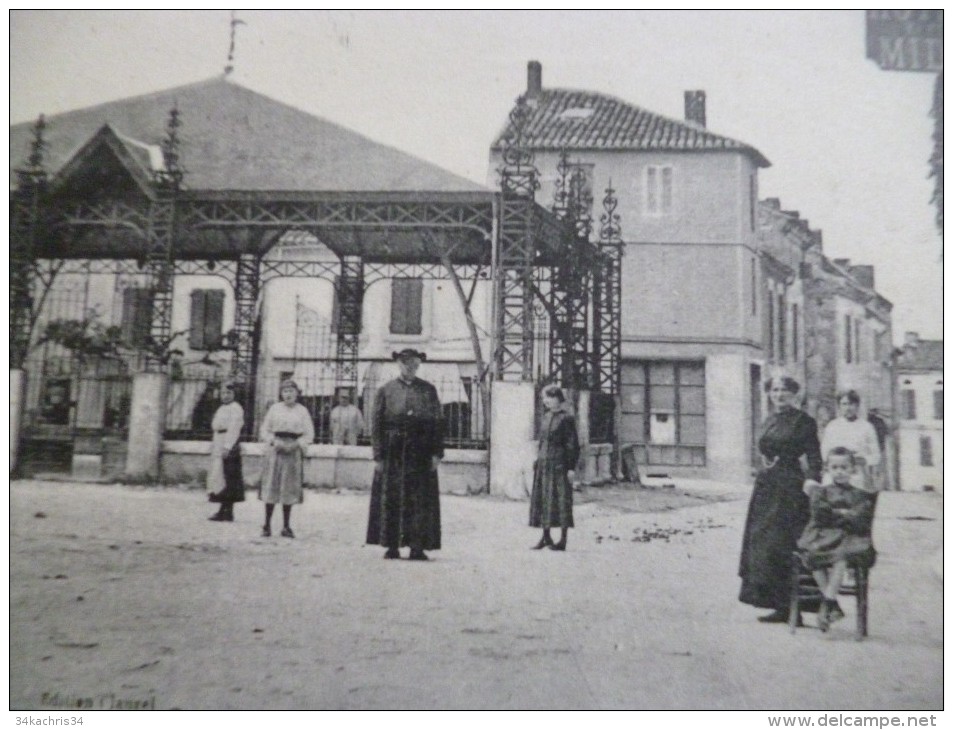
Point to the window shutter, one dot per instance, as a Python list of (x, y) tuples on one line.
[(214, 313), (909, 405), (938, 405), (136, 315), (197, 320), (406, 306), (926, 451)]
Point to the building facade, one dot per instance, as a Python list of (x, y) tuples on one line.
[(692, 323), (920, 410)]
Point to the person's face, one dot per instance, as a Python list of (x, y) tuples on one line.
[(550, 403), (848, 409), (780, 396), (840, 469), (289, 395), (408, 367), (227, 396), (344, 400)]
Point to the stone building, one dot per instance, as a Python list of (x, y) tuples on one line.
[(920, 409), (692, 320)]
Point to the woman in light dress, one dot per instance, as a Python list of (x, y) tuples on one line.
[(286, 430)]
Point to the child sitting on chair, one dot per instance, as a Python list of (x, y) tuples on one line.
[(839, 531)]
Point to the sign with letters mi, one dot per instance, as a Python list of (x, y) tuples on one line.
[(906, 40)]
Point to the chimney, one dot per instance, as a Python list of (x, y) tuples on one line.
[(864, 275), (911, 339), (534, 79), (695, 107)]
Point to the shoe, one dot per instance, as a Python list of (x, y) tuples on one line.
[(557, 546), (543, 542), (824, 616), (418, 555), (392, 554), (836, 613), (220, 517), (778, 617), (214, 497), (266, 531), (286, 532)]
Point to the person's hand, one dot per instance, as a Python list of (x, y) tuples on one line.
[(810, 485), (571, 476), (434, 463), (378, 466)]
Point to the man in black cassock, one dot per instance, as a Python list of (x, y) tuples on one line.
[(407, 434)]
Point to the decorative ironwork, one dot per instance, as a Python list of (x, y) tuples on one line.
[(246, 331), (515, 253), (160, 239), (607, 300), (561, 191), (350, 293), (25, 229), (519, 175)]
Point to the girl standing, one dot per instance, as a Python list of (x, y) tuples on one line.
[(551, 501), (225, 482), (286, 430)]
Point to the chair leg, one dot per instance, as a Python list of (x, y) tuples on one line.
[(794, 609), (860, 576)]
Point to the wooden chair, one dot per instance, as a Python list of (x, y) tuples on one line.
[(806, 595)]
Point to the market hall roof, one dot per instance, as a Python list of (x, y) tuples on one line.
[(585, 120), (233, 138)]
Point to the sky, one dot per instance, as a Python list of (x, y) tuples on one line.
[(848, 142)]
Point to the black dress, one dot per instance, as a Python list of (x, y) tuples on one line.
[(779, 510), (407, 432), (550, 504)]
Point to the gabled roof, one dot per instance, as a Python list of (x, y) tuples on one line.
[(584, 120), (927, 355), (233, 138), (89, 167)]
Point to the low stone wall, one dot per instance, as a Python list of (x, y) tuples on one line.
[(341, 467)]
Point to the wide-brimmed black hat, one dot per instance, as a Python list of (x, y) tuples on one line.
[(409, 352)]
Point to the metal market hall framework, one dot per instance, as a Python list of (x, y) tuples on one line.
[(103, 214)]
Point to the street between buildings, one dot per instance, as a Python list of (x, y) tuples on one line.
[(125, 594)]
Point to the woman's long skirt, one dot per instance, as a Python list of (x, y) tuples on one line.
[(777, 515), (282, 477), (550, 503)]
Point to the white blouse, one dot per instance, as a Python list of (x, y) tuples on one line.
[(292, 419)]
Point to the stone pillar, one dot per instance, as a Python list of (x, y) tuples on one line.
[(17, 402), (586, 471), (146, 424), (512, 447), (728, 418)]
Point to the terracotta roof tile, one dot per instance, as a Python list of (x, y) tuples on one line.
[(614, 125)]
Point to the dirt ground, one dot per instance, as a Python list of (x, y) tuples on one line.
[(124, 594)]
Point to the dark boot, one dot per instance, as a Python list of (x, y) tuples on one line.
[(220, 516)]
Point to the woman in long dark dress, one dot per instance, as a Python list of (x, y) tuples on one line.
[(779, 509), (551, 500)]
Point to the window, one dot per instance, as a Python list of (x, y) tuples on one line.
[(908, 402), (782, 333), (136, 316), (770, 326), (658, 189), (205, 320), (406, 306), (664, 411), (753, 198), (938, 405), (926, 451), (848, 340), (794, 332), (856, 340), (754, 287)]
